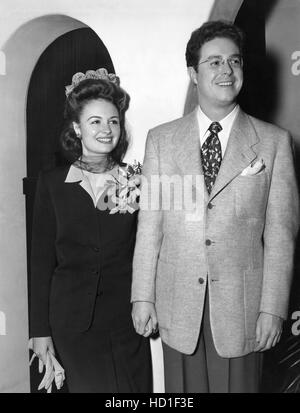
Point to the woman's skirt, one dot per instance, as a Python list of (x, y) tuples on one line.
[(105, 360)]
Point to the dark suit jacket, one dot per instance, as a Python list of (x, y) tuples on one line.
[(78, 252)]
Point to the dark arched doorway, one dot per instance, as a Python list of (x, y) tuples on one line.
[(76, 51)]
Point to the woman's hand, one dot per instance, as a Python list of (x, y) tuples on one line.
[(144, 318), (40, 346)]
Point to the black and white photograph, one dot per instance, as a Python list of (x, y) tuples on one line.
[(149, 213)]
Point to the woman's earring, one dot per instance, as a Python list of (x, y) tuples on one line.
[(77, 130), (78, 133)]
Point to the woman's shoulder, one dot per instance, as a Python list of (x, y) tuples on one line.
[(55, 174)]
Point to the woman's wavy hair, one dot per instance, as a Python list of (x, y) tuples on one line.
[(209, 31), (86, 91)]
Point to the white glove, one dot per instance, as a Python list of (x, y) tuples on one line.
[(53, 371)]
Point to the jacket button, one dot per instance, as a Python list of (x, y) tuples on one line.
[(95, 272), (210, 205), (200, 280), (96, 249), (208, 242)]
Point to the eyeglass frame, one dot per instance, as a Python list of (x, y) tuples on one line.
[(223, 60)]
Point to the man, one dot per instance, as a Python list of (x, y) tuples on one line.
[(218, 286)]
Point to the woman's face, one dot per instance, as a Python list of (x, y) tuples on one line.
[(98, 127)]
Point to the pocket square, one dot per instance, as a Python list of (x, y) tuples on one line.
[(254, 168)]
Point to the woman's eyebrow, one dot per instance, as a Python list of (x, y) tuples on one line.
[(100, 117)]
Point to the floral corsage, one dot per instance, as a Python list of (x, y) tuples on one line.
[(124, 190)]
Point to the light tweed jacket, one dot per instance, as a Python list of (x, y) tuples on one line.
[(242, 247)]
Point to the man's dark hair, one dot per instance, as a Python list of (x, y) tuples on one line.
[(209, 31)]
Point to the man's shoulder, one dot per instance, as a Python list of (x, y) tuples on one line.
[(266, 129), (170, 127)]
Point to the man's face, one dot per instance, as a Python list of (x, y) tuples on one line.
[(220, 75)]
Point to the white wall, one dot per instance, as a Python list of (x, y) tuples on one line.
[(146, 41)]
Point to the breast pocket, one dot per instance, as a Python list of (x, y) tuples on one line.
[(251, 195)]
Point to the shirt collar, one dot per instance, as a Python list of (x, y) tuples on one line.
[(74, 175), (226, 123)]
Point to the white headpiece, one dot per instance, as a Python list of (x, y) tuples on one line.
[(101, 73)]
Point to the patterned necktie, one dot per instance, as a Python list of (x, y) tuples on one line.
[(211, 155)]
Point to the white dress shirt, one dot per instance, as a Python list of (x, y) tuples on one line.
[(204, 123)]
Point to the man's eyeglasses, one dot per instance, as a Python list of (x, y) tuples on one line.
[(216, 62)]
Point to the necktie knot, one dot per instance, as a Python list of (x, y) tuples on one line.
[(215, 128)]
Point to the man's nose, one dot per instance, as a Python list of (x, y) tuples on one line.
[(226, 66)]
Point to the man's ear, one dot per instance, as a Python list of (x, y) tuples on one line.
[(193, 74), (77, 130)]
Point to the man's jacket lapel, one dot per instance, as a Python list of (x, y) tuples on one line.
[(239, 153)]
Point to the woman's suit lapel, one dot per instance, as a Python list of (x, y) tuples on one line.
[(75, 176)]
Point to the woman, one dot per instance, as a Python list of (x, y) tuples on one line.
[(84, 230)]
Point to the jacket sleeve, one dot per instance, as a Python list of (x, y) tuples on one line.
[(43, 260), (281, 227), (149, 233)]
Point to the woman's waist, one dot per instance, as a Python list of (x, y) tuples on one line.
[(112, 314)]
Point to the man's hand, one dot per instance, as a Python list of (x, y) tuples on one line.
[(144, 318), (268, 331)]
